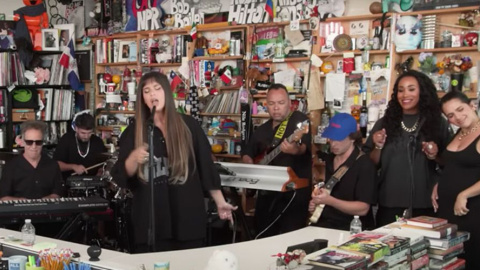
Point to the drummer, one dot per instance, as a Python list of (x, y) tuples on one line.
[(79, 148)]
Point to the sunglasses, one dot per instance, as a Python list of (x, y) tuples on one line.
[(30, 142)]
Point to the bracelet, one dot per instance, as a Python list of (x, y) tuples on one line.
[(431, 157), (378, 147)]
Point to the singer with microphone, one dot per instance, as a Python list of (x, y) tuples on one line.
[(350, 175), (404, 145), (180, 171)]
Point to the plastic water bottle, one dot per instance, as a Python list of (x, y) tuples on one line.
[(28, 233), (355, 225)]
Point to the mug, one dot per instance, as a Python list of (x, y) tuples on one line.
[(161, 266), (17, 262), (131, 88)]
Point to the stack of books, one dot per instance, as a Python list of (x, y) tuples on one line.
[(445, 241)]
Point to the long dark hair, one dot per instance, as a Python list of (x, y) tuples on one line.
[(178, 137), (428, 108)]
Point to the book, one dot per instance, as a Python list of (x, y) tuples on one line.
[(422, 245), (446, 256), (456, 265), (437, 232), (396, 258), (420, 262), (449, 241), (395, 243), (338, 259), (374, 249), (444, 251), (426, 221), (439, 264)]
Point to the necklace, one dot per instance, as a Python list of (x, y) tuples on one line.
[(473, 129), (79, 151), (412, 129)]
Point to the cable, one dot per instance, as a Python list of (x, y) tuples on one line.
[(234, 227), (278, 217)]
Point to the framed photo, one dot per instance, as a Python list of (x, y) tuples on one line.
[(50, 40), (67, 31), (124, 51), (7, 29)]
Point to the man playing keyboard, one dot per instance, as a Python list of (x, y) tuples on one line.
[(31, 175)]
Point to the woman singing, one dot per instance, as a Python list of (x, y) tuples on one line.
[(404, 145), (183, 171)]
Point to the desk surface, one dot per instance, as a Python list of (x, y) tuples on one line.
[(255, 254)]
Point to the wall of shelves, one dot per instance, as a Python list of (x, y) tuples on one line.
[(448, 18)]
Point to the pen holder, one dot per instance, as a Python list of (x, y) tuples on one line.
[(30, 267)]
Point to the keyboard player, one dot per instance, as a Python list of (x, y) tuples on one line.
[(31, 175)]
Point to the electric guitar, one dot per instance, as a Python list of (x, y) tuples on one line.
[(265, 159)]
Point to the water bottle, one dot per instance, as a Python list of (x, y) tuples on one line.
[(28, 233), (355, 225)]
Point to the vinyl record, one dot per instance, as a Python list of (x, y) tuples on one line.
[(342, 42)]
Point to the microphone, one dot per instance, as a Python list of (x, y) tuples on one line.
[(152, 115)]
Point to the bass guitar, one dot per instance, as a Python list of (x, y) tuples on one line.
[(266, 158)]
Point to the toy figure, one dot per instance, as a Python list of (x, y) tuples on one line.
[(28, 34), (34, 17), (408, 33)]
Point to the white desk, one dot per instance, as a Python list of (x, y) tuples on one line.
[(255, 254)]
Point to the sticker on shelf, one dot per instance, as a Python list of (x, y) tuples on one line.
[(295, 25)]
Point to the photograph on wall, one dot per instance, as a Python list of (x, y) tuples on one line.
[(50, 40), (67, 31), (6, 35)]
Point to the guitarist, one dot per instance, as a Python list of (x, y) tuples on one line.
[(356, 189), (295, 154)]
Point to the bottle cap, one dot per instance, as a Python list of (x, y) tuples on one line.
[(28, 220), (356, 216)]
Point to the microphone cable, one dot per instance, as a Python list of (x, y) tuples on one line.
[(279, 216)]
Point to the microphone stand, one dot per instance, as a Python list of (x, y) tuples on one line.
[(411, 158), (151, 171)]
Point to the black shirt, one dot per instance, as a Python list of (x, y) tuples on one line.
[(270, 204), (394, 175), (179, 209), (67, 151), (358, 184), (263, 137), (21, 179)]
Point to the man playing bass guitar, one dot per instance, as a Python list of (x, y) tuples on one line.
[(277, 212)]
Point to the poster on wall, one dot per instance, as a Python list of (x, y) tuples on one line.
[(144, 15)]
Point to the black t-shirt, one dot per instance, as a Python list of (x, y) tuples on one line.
[(270, 204), (263, 137), (67, 151), (395, 173), (21, 179), (179, 209), (358, 184)]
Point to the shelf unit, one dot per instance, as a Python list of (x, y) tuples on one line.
[(145, 61), (447, 19)]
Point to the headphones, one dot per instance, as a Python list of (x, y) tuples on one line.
[(76, 115)]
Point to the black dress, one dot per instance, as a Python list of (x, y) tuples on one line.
[(180, 214), (462, 170)]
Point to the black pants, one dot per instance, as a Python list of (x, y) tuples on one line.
[(269, 207), (387, 215)]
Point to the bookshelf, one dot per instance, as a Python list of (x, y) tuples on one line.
[(49, 99), (120, 60)]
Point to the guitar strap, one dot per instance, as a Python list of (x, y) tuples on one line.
[(280, 131), (334, 179)]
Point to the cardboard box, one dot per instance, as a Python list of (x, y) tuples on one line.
[(21, 115)]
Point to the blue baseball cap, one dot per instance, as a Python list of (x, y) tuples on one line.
[(340, 126)]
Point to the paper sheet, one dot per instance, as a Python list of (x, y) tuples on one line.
[(285, 77), (295, 37), (315, 97), (113, 98), (184, 69), (335, 87)]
